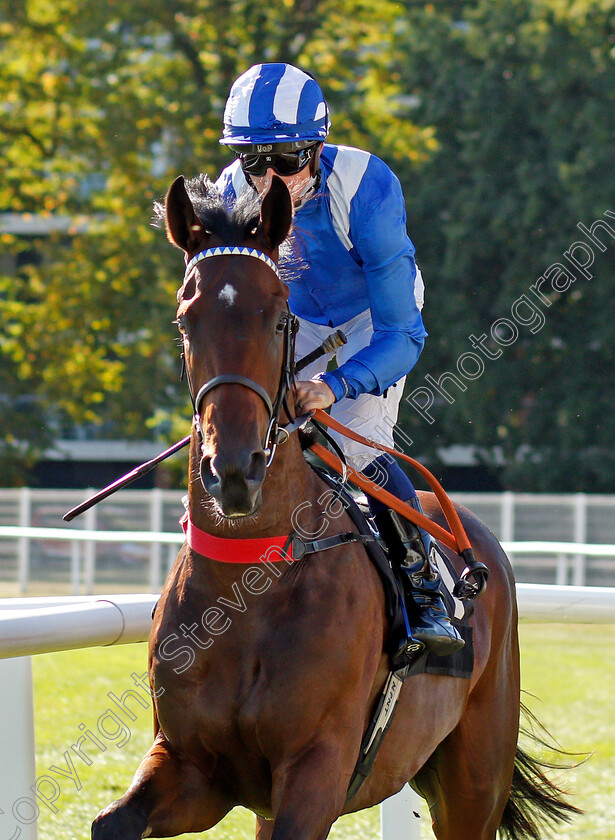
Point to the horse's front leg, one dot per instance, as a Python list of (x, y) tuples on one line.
[(169, 795), (309, 793)]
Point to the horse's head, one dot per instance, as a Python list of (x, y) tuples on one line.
[(236, 331)]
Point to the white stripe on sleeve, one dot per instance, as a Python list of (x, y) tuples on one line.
[(419, 288)]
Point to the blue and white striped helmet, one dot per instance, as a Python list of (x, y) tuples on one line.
[(275, 104)]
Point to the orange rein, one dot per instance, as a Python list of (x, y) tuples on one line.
[(456, 539)]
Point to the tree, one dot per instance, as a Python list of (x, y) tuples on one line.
[(498, 118), (105, 104), (520, 96)]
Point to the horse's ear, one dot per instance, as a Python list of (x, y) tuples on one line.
[(181, 222), (276, 213)]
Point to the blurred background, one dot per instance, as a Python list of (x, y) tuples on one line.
[(499, 119)]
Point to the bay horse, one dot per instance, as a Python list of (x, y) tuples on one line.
[(264, 674)]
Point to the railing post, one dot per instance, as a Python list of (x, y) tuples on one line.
[(75, 571), (171, 555), (18, 804), (561, 571), (25, 517), (400, 816), (580, 536), (89, 572), (507, 522), (155, 552)]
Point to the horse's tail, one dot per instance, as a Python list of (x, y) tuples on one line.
[(535, 802)]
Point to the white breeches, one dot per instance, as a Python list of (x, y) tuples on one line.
[(370, 416)]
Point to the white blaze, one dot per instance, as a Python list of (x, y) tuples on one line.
[(228, 294)]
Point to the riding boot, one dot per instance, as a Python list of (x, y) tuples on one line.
[(431, 624)]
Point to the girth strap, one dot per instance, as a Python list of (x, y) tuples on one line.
[(302, 547), (381, 720)]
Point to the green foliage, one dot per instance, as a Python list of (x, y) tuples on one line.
[(521, 97), (498, 118), (105, 104)]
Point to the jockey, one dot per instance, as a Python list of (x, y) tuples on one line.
[(360, 276)]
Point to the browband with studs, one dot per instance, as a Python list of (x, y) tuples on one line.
[(228, 250)]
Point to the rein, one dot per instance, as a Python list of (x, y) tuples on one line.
[(251, 551), (456, 538)]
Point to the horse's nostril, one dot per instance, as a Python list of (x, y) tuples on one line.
[(211, 466), (209, 477), (257, 467), (234, 484)]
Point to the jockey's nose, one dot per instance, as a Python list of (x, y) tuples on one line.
[(268, 177)]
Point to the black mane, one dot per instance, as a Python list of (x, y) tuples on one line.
[(234, 221), (230, 222)]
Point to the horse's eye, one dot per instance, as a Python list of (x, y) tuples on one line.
[(188, 290), (181, 326), (281, 325)]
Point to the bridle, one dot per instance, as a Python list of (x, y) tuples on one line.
[(275, 434)]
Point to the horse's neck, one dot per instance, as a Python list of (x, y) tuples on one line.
[(289, 484)]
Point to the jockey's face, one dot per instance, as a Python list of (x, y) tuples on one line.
[(297, 184)]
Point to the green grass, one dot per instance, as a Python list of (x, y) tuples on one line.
[(568, 667)]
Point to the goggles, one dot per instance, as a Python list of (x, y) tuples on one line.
[(284, 163)]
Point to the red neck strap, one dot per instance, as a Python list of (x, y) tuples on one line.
[(226, 550)]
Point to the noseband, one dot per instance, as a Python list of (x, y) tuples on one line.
[(274, 434)]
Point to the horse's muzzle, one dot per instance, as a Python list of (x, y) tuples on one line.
[(235, 484)]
